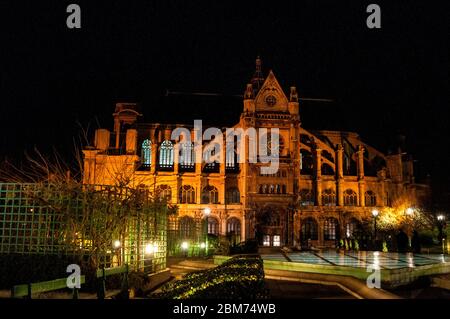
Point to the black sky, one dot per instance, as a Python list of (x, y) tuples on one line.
[(384, 82)]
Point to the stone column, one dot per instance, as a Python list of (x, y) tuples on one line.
[(362, 193), (361, 182), (154, 156), (320, 225), (382, 178), (340, 175), (318, 175), (243, 227), (360, 153), (296, 229)]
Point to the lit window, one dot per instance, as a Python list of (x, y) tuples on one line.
[(166, 155), (266, 240), (187, 156), (330, 229), (146, 153), (329, 197), (213, 226), (350, 198), (277, 240)]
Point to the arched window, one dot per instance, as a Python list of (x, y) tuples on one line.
[(283, 189), (272, 189), (187, 156), (186, 227), (233, 226), (233, 196), (164, 192), (187, 194), (308, 229), (234, 230), (350, 198), (166, 155), (331, 229), (306, 197), (370, 198), (306, 162), (146, 153), (329, 197), (213, 226), (210, 195), (352, 228)]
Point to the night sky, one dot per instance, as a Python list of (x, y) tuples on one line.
[(384, 82)]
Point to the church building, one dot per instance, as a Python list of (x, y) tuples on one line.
[(328, 182)]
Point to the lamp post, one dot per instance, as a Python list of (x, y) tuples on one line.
[(184, 247), (409, 212), (375, 213), (207, 212), (441, 222)]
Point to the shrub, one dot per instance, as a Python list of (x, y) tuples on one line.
[(238, 277)]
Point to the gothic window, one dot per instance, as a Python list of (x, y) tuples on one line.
[(283, 189), (234, 226), (233, 196), (213, 226), (278, 189), (370, 198), (166, 155), (234, 230), (277, 240), (330, 229), (187, 156), (146, 153), (272, 189), (329, 197), (210, 195), (187, 194), (352, 228), (186, 227), (164, 192), (350, 198), (306, 197), (309, 229)]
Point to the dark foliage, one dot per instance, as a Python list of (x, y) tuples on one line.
[(241, 277)]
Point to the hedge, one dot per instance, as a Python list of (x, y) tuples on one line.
[(241, 277)]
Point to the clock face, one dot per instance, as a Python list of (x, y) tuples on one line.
[(271, 100)]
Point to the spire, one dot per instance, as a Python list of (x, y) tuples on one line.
[(258, 78)]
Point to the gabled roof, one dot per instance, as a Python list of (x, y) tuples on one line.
[(271, 96)]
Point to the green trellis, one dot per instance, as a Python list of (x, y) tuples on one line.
[(48, 219)]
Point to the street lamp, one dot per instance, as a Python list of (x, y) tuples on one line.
[(375, 213), (409, 211), (441, 219), (207, 212), (184, 247)]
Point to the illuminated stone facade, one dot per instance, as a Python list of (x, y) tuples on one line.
[(327, 182)]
